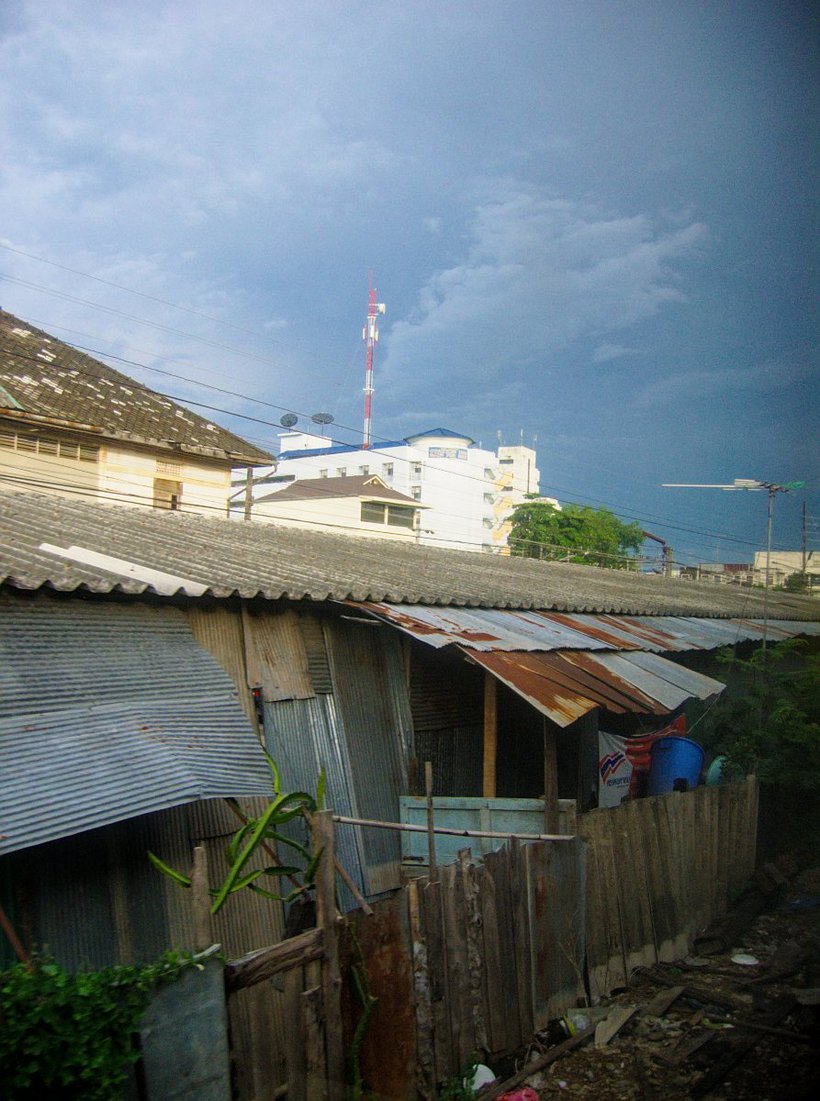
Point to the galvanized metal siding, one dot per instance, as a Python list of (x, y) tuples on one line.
[(371, 694), (303, 737), (492, 629), (111, 711)]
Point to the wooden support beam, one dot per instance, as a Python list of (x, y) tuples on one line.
[(490, 735), (201, 900), (266, 962), (431, 824), (550, 779), (323, 841)]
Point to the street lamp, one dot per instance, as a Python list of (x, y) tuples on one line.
[(771, 488)]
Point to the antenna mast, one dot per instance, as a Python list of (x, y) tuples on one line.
[(370, 335)]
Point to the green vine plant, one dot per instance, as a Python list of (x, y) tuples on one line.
[(256, 834), (73, 1036)]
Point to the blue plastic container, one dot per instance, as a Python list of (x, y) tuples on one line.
[(676, 765)]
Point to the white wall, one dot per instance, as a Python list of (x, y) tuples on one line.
[(468, 490)]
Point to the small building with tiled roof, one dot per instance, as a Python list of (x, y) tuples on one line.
[(468, 491), (357, 504), (72, 425)]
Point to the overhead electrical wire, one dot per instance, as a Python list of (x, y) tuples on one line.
[(260, 420), (643, 518)]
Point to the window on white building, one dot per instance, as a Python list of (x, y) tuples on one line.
[(387, 470), (341, 471), (415, 470), (364, 469), (323, 473), (415, 492), (489, 472), (401, 516)]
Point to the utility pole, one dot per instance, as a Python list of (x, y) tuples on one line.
[(772, 488)]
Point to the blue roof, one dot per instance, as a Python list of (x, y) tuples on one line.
[(338, 449)]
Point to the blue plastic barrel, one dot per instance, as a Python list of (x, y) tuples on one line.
[(676, 765)]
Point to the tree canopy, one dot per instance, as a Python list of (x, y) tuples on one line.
[(574, 533)]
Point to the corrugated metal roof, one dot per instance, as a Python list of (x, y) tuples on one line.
[(109, 711), (232, 557), (566, 685), (486, 629)]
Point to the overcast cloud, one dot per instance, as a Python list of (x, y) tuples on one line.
[(591, 222)]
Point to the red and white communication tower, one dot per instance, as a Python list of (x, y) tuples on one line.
[(370, 335)]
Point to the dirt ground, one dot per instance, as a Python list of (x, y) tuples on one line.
[(685, 1051)]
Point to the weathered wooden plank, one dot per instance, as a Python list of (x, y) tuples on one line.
[(425, 1041), (322, 830), (295, 1050), (492, 986), (264, 963), (315, 1046), (461, 1018), (636, 816), (504, 996), (522, 940), (475, 964), (430, 900)]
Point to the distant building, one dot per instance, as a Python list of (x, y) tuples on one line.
[(360, 504), (73, 426), (726, 573), (785, 563), (468, 492)]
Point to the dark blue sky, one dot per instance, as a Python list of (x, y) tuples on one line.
[(592, 223)]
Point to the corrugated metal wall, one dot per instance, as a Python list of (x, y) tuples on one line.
[(94, 900)]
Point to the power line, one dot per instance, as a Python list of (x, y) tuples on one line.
[(711, 535), (131, 290)]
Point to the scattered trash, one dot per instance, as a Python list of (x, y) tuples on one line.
[(696, 961), (745, 959), (482, 1076)]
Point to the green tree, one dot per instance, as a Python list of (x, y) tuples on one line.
[(768, 721), (574, 533)]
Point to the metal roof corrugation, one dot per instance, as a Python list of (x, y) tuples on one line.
[(109, 711), (564, 685), (248, 559), (492, 630), (69, 771), (57, 653)]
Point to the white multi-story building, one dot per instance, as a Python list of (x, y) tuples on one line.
[(469, 492)]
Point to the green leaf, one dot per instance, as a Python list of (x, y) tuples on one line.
[(161, 866)]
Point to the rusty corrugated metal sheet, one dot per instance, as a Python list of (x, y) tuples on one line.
[(492, 629), (566, 685)]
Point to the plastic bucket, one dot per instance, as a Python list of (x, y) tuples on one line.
[(676, 765)]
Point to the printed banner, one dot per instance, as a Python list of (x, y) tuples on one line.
[(621, 760)]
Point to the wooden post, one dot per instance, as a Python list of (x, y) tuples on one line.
[(13, 939), (550, 780), (201, 900), (490, 735), (322, 825), (431, 835)]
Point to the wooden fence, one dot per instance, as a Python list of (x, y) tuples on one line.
[(478, 957)]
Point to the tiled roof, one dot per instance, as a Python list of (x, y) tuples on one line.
[(369, 486), (105, 548), (45, 380)]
